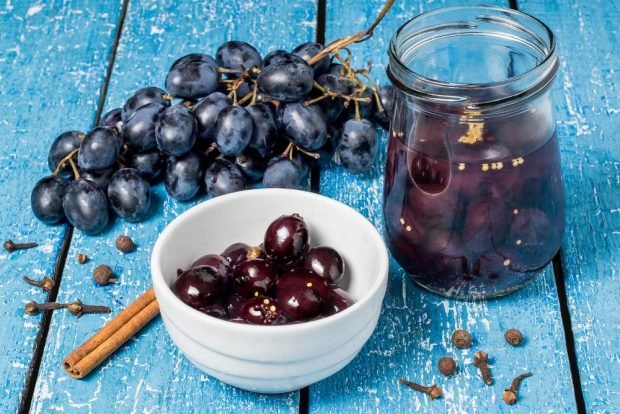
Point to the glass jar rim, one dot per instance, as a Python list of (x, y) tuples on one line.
[(434, 90)]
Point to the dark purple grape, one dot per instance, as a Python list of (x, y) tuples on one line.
[(150, 163), (274, 57), (99, 150), (251, 164), (282, 172), (176, 130), (223, 177), (386, 96), (337, 301), (86, 206), (143, 97), (486, 225), (253, 276), (101, 178), (193, 76), (234, 304), (235, 253), (288, 78), (336, 69), (305, 126), (199, 287), (46, 199), (262, 310), (183, 176), (530, 242), (216, 261), (306, 51), (333, 107), (216, 310), (233, 130), (287, 240), (113, 119), (265, 130), (62, 146), (139, 130), (206, 112), (130, 195), (302, 294), (325, 262), (236, 55), (357, 148)]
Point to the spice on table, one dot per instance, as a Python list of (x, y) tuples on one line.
[(461, 339), (447, 366), (10, 246), (514, 337), (433, 391), (78, 309), (81, 258), (115, 333), (46, 283), (33, 308), (125, 244), (481, 360), (510, 394), (254, 252), (104, 275)]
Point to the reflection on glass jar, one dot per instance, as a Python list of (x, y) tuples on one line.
[(473, 198)]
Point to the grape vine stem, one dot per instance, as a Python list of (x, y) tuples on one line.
[(63, 161)]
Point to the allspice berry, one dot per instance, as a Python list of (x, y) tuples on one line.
[(461, 339), (103, 275), (447, 366), (514, 337), (125, 244), (81, 258)]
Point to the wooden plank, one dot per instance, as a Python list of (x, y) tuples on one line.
[(53, 58), (415, 326), (150, 374), (587, 94)]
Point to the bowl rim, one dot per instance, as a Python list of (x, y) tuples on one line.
[(162, 288)]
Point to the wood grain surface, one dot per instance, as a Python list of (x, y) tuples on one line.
[(53, 59), (150, 374), (415, 326), (587, 98)]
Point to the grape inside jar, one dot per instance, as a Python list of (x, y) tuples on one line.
[(473, 198)]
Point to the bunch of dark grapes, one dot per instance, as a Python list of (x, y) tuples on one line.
[(221, 125)]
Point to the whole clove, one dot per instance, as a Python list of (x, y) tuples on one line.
[(510, 394), (46, 283), (78, 308), (10, 246), (481, 360), (34, 308), (433, 391)]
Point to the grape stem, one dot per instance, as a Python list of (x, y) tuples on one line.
[(63, 161), (76, 173), (358, 37)]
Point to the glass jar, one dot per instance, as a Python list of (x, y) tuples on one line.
[(473, 199)]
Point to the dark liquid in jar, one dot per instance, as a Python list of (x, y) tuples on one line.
[(473, 226)]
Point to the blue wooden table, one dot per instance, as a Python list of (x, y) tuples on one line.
[(64, 62)]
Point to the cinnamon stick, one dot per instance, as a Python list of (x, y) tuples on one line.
[(115, 333)]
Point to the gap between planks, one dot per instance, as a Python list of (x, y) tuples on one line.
[(558, 273), (44, 324), (315, 176)]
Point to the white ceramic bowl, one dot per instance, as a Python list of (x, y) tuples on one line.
[(271, 359)]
